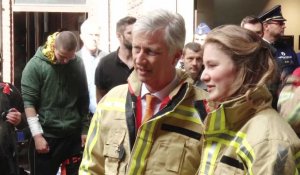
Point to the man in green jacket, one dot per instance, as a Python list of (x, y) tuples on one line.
[(56, 101)]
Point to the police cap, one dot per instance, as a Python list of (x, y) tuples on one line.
[(202, 29), (273, 14)]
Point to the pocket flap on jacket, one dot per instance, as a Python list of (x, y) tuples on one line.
[(114, 145), (116, 136), (177, 152)]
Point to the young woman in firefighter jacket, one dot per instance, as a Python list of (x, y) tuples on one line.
[(119, 140), (243, 134), (289, 101)]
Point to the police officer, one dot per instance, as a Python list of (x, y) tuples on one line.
[(286, 58), (200, 33), (274, 25)]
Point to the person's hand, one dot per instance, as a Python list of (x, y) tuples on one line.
[(13, 116), (83, 140), (41, 145)]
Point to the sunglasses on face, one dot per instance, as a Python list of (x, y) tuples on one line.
[(280, 23)]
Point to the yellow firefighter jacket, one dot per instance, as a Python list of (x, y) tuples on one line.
[(244, 138), (168, 144), (289, 103)]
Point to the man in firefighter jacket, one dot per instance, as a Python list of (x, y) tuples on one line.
[(289, 101), (119, 140)]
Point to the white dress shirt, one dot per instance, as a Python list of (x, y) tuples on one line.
[(160, 95), (90, 63)]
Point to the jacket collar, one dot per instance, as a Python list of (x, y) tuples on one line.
[(135, 85), (233, 114)]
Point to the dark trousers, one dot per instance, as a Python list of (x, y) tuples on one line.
[(61, 149), (8, 150)]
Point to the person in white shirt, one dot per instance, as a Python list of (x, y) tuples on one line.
[(91, 55)]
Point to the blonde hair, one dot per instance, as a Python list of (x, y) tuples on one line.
[(249, 53)]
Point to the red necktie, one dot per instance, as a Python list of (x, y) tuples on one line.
[(150, 104)]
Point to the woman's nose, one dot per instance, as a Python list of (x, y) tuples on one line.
[(204, 75)]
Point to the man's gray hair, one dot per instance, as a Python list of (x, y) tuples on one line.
[(88, 23), (172, 24)]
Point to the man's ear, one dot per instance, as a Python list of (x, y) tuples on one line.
[(119, 35), (177, 56), (265, 25), (181, 57)]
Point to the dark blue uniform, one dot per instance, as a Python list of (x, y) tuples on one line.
[(285, 57), (287, 62), (283, 53)]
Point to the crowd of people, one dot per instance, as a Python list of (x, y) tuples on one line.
[(225, 103)]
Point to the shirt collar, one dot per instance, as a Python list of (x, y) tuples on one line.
[(267, 41), (162, 93), (85, 51)]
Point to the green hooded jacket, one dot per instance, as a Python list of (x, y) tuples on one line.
[(59, 94)]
